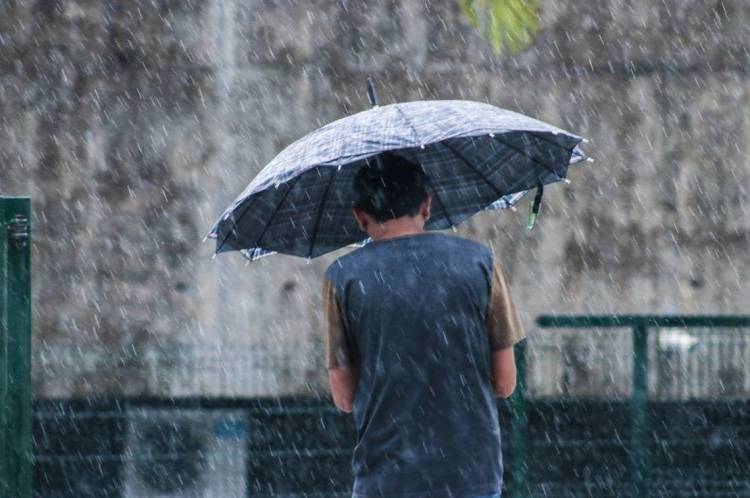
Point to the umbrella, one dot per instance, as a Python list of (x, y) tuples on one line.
[(476, 156)]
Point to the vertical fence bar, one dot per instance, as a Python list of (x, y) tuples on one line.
[(4, 428), (639, 324), (15, 335), (518, 435), (639, 412)]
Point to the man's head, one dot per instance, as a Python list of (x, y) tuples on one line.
[(391, 190)]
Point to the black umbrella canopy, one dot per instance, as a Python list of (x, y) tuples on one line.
[(476, 156)]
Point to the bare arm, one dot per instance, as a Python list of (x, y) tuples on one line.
[(342, 358), (505, 330), (503, 367), (343, 386)]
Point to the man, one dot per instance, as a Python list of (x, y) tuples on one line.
[(421, 329)]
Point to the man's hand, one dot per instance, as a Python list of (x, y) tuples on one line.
[(343, 386)]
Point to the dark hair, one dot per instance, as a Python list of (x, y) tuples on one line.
[(389, 186)]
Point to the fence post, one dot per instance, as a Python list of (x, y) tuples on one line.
[(639, 451), (518, 435), (15, 348)]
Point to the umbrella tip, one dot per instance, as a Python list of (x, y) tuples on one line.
[(371, 95)]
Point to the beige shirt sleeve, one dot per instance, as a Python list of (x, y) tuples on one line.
[(340, 351), (503, 325)]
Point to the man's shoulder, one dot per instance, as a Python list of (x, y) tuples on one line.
[(452, 244), (342, 263), (468, 246), (333, 269)]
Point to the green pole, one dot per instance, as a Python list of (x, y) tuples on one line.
[(15, 351), (639, 324), (639, 412), (519, 455), (4, 426)]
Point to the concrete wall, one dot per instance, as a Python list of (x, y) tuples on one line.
[(132, 127)]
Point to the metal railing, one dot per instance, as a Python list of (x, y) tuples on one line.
[(641, 328), (687, 363), (602, 439)]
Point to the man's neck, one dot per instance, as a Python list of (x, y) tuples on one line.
[(397, 228)]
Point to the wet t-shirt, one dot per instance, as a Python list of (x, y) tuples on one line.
[(418, 316)]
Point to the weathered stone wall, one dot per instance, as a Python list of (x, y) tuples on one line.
[(133, 126)]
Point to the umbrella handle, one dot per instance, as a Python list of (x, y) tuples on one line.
[(371, 95), (534, 213)]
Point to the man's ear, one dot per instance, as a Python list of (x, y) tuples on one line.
[(361, 218), (426, 206)]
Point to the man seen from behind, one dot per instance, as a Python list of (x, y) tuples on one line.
[(420, 336)]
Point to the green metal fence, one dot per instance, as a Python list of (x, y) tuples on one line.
[(640, 326), (15, 348), (566, 445)]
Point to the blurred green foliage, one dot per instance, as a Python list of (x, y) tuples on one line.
[(510, 25)]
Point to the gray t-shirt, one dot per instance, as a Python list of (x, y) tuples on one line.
[(418, 316)]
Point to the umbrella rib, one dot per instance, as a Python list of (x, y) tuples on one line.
[(440, 201), (542, 137), (408, 122), (521, 151), (234, 224), (474, 168), (276, 210), (323, 199)]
